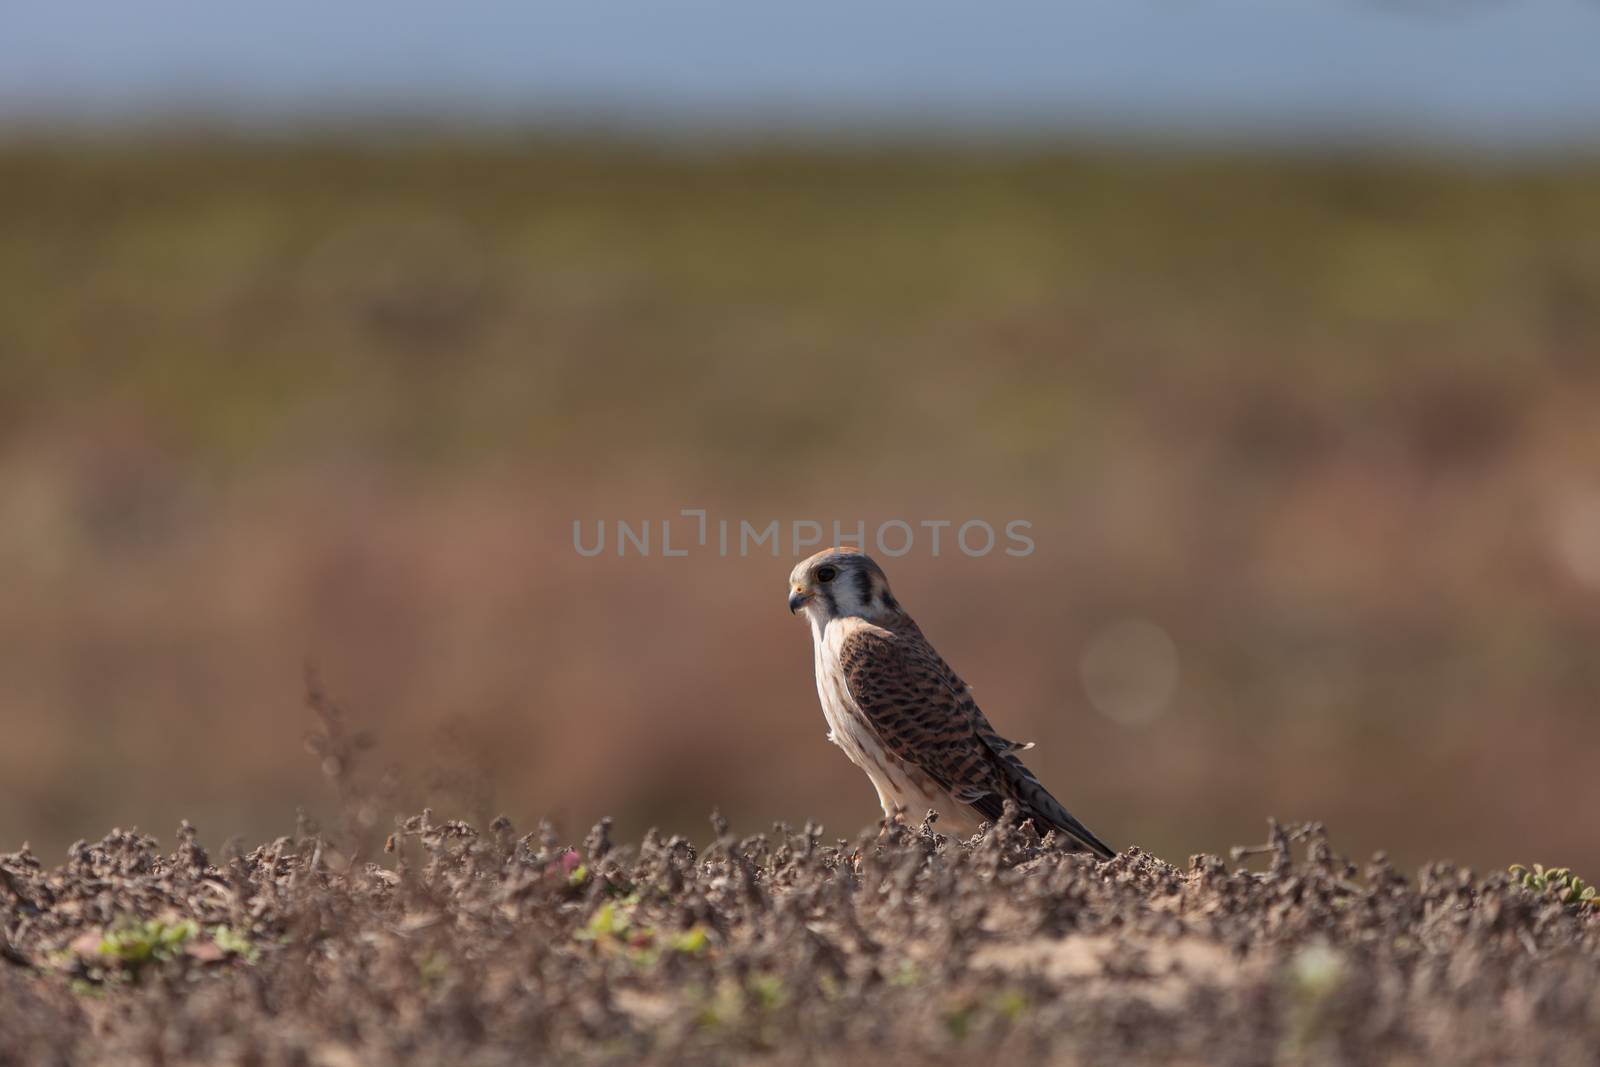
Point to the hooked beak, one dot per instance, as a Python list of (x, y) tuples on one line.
[(798, 600)]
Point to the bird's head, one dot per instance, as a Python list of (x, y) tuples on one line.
[(840, 582)]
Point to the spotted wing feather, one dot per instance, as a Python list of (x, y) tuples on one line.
[(924, 713)]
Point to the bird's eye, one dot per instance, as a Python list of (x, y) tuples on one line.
[(827, 574)]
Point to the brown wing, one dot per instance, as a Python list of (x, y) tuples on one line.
[(924, 713)]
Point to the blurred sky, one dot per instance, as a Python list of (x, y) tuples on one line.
[(1498, 73)]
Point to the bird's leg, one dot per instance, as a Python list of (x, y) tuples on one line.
[(891, 819)]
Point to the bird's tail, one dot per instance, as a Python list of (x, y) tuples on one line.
[(1048, 814)]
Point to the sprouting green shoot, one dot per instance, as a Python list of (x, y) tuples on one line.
[(137, 943), (1558, 882)]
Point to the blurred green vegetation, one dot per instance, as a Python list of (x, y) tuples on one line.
[(438, 303)]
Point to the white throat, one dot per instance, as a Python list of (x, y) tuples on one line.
[(819, 623)]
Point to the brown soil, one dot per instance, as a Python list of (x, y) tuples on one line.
[(494, 948)]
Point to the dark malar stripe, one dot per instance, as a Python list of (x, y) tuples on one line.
[(864, 587)]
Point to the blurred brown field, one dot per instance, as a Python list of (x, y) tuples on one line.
[(1324, 432)]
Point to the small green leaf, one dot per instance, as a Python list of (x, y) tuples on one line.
[(691, 942), (603, 923), (234, 943), (767, 990)]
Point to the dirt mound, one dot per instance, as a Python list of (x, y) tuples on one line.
[(490, 948)]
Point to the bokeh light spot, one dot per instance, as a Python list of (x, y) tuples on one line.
[(1130, 671)]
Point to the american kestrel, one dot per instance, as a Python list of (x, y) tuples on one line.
[(903, 716)]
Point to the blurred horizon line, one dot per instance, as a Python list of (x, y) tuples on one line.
[(380, 128)]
